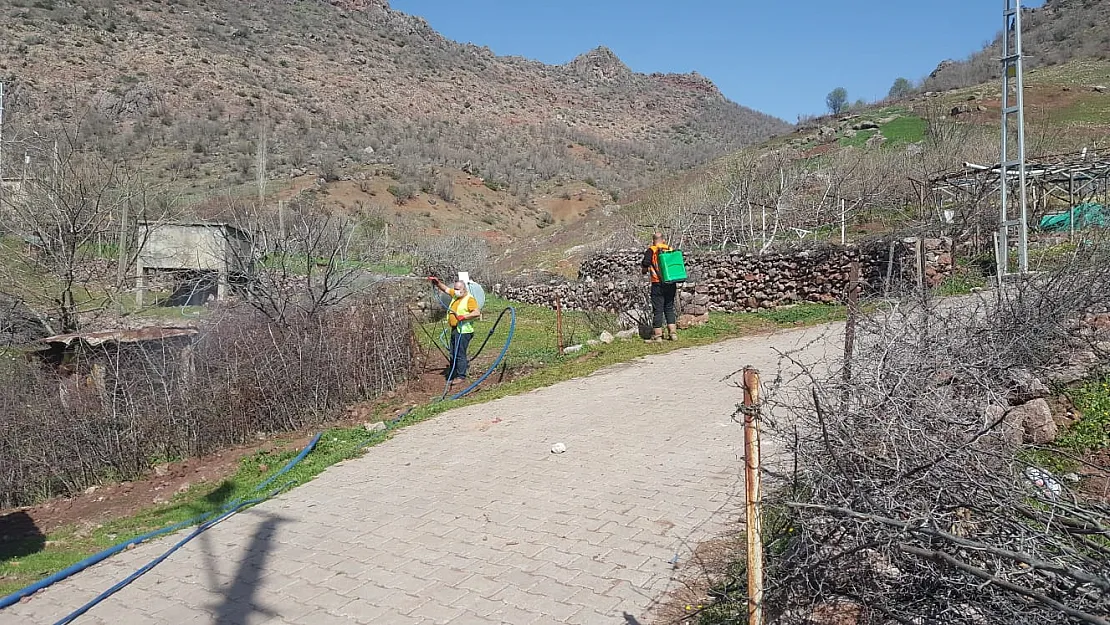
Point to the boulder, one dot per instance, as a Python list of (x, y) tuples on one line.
[(606, 338), (1024, 386), (1036, 421), (1011, 427)]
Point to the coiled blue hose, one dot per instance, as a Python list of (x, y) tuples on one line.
[(500, 357), (224, 512)]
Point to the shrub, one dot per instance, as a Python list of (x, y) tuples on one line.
[(403, 192), (445, 189), (113, 412)]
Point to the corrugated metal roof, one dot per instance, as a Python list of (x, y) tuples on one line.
[(154, 333)]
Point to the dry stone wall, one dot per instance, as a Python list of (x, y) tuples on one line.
[(741, 281)]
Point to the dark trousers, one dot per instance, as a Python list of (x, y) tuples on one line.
[(459, 344), (662, 303)]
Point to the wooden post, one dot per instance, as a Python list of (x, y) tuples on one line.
[(919, 265), (559, 322), (752, 483), (281, 222), (1071, 207), (889, 268), (853, 313)]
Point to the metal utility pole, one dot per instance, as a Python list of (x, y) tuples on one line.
[(1012, 218)]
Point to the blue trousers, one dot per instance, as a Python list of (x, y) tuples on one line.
[(459, 344)]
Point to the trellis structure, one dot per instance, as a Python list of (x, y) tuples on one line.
[(1058, 181)]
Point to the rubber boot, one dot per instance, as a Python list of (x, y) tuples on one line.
[(672, 332), (656, 336)]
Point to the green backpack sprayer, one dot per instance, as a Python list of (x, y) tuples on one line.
[(672, 267)]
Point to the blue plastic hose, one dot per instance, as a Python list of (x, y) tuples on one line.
[(496, 363), (500, 357), (454, 362), (18, 595), (111, 551)]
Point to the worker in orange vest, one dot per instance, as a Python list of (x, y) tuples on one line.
[(662, 295)]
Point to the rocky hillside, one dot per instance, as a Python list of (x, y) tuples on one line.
[(1058, 32), (335, 84)]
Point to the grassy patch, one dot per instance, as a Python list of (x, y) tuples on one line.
[(533, 347), (857, 140), (1049, 460), (1093, 108), (960, 283), (904, 130), (1092, 432), (1047, 258), (1080, 72)]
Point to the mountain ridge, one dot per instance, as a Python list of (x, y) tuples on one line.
[(357, 77)]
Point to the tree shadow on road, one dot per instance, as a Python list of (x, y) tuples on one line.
[(630, 620), (238, 601)]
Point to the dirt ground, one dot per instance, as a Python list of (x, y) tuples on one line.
[(100, 504)]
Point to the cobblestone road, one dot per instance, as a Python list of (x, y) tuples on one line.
[(469, 519)]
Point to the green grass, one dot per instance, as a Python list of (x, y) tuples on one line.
[(533, 349), (1048, 459), (1092, 432), (961, 282), (1093, 108), (1080, 72), (858, 140), (904, 130)]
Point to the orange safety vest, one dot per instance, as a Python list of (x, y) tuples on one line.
[(655, 249)]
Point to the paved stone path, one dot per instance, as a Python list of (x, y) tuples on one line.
[(469, 519)]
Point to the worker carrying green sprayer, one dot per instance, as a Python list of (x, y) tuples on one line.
[(667, 268), (461, 313)]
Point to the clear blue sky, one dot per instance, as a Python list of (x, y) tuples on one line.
[(780, 57)]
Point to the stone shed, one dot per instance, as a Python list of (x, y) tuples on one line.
[(203, 258)]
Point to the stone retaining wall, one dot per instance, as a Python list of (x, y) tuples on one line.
[(741, 281)]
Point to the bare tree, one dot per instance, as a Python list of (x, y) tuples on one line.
[(910, 498), (306, 266), (71, 219)]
